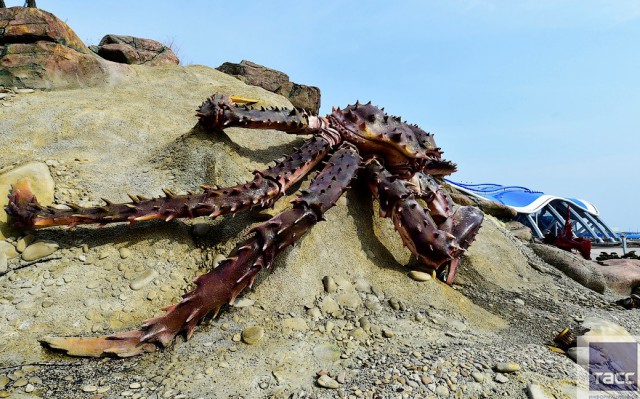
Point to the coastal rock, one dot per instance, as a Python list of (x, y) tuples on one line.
[(621, 275), (492, 208), (37, 175), (135, 50), (583, 271), (519, 230), (38, 50), (301, 96)]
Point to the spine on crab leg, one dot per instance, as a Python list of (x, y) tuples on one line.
[(221, 285), (418, 231), (266, 187), (219, 112)]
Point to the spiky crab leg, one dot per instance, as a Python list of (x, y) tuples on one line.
[(415, 214), (221, 285), (266, 187), (220, 112)]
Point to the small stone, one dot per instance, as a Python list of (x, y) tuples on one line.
[(47, 303), (39, 250), (4, 380), (4, 265), (330, 285), (314, 313), (341, 377), (501, 378), (124, 253), (349, 300), (103, 255), (426, 380), (442, 390), (518, 301), (507, 367), (327, 382), (24, 91), (394, 303), (329, 326), (135, 385), (295, 323), (243, 303), (358, 334), (24, 242), (4, 394), (419, 276), (8, 250), (330, 306), (251, 335), (20, 383), (362, 285), (143, 279), (478, 376), (327, 352), (387, 333), (217, 259), (29, 388)]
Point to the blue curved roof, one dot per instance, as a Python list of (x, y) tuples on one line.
[(520, 198)]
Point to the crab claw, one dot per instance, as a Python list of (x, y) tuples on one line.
[(121, 345), (21, 201)]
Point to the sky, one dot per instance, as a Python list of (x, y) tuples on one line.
[(537, 93)]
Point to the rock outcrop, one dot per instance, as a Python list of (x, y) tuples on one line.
[(622, 275), (583, 271), (493, 208), (301, 96), (134, 50), (38, 50)]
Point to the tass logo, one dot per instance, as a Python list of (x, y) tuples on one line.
[(613, 366)]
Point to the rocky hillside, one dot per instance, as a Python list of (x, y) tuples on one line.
[(340, 316)]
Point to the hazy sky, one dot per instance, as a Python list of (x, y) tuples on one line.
[(538, 93)]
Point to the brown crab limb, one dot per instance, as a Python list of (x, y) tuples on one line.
[(434, 245), (266, 187), (221, 285), (220, 112)]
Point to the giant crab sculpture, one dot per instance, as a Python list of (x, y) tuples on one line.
[(398, 161)]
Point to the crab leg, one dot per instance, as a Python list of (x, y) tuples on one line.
[(434, 244), (221, 285), (220, 112), (262, 191)]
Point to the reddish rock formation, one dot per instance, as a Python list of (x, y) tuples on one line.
[(38, 50), (301, 96), (135, 50)]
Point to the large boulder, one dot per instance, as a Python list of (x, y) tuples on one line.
[(492, 208), (135, 50), (38, 50), (622, 275), (301, 96), (581, 270)]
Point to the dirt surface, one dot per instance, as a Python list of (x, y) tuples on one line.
[(375, 332)]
